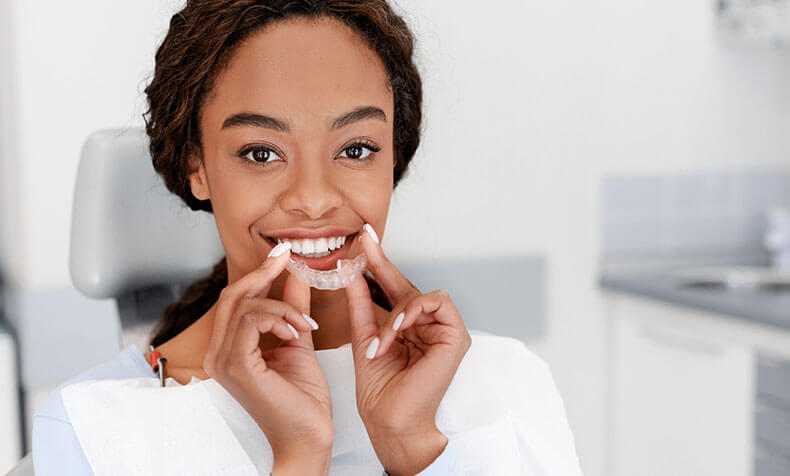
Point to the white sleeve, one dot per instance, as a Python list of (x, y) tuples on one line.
[(528, 389), (488, 450), (529, 437), (56, 449)]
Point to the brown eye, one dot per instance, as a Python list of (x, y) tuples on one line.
[(359, 151), (354, 152), (259, 155)]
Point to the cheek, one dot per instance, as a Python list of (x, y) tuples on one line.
[(370, 197), (241, 200)]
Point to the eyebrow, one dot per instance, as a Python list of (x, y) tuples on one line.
[(251, 119)]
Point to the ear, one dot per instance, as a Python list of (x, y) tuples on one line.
[(198, 182)]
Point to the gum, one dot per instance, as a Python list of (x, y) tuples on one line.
[(330, 279)]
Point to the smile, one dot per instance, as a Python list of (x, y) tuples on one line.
[(313, 248)]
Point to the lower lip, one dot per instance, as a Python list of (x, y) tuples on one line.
[(329, 261)]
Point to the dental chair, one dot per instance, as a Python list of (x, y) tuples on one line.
[(132, 240)]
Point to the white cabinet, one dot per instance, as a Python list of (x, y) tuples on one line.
[(683, 392), (682, 399)]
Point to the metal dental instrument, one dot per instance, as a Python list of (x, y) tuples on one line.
[(158, 364)]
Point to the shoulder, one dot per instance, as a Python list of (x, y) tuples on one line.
[(509, 353), (526, 387), (56, 448), (515, 369), (520, 377), (127, 364)]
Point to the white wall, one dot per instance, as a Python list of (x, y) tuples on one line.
[(77, 67), (9, 236), (527, 105)]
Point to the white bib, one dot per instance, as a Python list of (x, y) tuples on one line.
[(135, 427)]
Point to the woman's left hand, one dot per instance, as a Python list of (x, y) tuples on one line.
[(399, 389)]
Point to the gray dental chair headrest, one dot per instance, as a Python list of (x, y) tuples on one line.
[(129, 233)]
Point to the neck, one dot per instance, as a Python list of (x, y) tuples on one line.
[(186, 351), (328, 307)]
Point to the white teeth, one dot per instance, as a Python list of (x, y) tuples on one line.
[(315, 248), (321, 244), (308, 246)]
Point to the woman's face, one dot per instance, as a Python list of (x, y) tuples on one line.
[(297, 136)]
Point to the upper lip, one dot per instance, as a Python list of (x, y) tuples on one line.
[(311, 233)]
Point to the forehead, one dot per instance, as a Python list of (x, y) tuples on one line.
[(304, 70)]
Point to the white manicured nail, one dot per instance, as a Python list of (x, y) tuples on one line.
[(374, 345), (280, 249), (398, 321), (310, 321), (296, 334), (372, 232)]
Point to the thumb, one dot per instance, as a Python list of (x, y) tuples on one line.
[(297, 294), (361, 315)]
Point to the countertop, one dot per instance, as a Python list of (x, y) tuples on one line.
[(656, 277)]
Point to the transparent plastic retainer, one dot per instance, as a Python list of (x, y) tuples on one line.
[(345, 274)]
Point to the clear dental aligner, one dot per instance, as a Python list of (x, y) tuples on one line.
[(345, 274)]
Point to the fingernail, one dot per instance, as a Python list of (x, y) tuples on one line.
[(374, 345), (280, 249), (372, 232), (296, 334), (398, 321), (310, 320)]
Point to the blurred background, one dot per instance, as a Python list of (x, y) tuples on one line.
[(607, 181)]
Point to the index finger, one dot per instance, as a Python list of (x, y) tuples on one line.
[(297, 294), (254, 283), (392, 281)]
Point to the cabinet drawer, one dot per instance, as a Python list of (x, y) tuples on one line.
[(773, 381), (772, 427), (683, 400), (771, 465)]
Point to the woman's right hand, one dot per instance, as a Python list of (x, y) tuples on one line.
[(284, 389)]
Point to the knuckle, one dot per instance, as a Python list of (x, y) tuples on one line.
[(248, 302), (224, 293), (326, 436), (466, 341), (234, 372)]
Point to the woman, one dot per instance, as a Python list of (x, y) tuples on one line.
[(292, 122)]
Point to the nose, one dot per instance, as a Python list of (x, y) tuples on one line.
[(312, 189)]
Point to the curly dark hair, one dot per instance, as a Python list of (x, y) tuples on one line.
[(199, 45)]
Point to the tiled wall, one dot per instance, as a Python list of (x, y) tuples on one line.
[(714, 211)]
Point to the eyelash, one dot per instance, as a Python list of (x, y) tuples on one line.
[(255, 148)]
